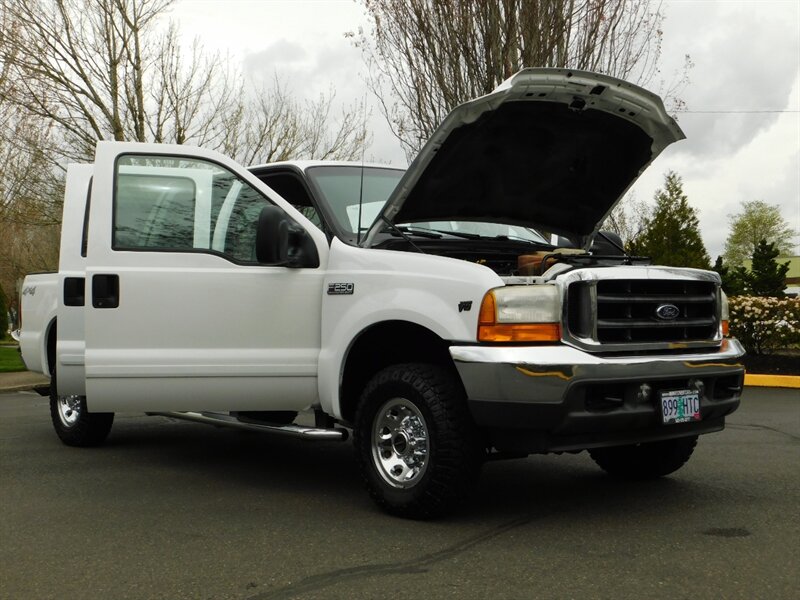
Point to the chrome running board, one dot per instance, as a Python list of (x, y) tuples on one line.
[(223, 420)]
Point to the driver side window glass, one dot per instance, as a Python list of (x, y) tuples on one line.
[(182, 204)]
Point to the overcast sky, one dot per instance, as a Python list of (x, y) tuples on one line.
[(743, 100)]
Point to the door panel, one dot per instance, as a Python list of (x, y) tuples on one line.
[(182, 316), (72, 289)]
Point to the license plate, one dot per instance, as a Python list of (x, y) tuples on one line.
[(680, 406)]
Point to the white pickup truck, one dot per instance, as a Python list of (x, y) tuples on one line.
[(465, 309)]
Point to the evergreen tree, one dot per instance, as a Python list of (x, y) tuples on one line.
[(767, 277), (672, 234), (735, 281)]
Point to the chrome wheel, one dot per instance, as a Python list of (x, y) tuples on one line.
[(417, 447), (74, 424), (400, 444), (69, 410)]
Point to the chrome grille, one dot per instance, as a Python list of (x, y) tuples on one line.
[(627, 311)]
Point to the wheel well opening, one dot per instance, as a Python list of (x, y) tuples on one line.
[(52, 337), (385, 344)]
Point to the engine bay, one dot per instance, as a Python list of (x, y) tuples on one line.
[(510, 258)]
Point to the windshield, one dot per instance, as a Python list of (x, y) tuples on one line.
[(343, 186)]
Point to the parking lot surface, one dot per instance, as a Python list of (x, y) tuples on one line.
[(170, 509)]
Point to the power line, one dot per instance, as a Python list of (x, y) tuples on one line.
[(736, 112)]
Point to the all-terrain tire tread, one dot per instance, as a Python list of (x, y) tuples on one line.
[(456, 456), (645, 461), (91, 429)]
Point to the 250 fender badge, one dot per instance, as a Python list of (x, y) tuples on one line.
[(341, 289), (465, 305)]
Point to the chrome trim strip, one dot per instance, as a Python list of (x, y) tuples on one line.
[(309, 433), (631, 272), (543, 375), (542, 356)]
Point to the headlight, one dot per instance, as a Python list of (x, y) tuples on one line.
[(724, 313), (520, 314)]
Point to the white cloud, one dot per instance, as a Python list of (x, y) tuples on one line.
[(281, 52), (300, 41), (766, 168), (746, 55), (746, 58)]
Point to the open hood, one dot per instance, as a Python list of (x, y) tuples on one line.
[(553, 149)]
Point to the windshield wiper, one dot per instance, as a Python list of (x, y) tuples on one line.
[(519, 238), (402, 231), (428, 231), (394, 227), (472, 236)]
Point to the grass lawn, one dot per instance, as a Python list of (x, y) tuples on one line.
[(10, 360)]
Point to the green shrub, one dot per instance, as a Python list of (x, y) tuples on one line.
[(765, 324)]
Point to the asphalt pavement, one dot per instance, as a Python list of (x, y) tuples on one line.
[(170, 509)]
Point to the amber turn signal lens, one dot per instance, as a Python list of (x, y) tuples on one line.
[(519, 332), (488, 313), (725, 329)]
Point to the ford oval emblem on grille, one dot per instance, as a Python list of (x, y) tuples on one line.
[(667, 312)]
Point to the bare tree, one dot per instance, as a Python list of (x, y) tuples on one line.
[(83, 66), (191, 94), (110, 70), (628, 219), (75, 72), (30, 201), (271, 125), (28, 217), (427, 56), (28, 230)]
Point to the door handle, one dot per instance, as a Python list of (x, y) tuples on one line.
[(74, 291), (105, 291)]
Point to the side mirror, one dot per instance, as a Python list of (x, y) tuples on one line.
[(272, 236), (282, 242)]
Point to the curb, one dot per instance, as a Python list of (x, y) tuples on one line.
[(780, 381), (19, 388), (21, 381)]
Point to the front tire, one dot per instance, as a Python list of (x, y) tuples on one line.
[(74, 424), (416, 444), (645, 461)]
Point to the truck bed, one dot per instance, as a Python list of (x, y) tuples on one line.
[(39, 302)]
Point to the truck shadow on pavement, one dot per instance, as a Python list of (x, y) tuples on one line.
[(282, 465), (236, 456)]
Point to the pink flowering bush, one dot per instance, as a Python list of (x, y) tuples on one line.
[(765, 324)]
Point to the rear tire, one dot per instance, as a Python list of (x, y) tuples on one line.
[(645, 461), (74, 424), (416, 444)]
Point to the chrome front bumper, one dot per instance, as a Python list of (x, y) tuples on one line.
[(575, 399)]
